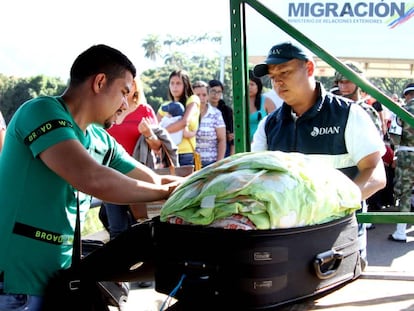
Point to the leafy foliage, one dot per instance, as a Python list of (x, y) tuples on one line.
[(391, 85), (15, 91), (193, 54), (152, 47), (178, 53), (156, 80)]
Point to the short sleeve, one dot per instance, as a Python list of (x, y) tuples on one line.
[(361, 135), (2, 122)]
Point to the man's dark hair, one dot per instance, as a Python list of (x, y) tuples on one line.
[(100, 59)]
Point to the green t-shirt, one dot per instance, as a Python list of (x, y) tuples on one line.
[(38, 208)]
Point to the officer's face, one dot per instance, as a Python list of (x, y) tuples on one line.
[(289, 78)]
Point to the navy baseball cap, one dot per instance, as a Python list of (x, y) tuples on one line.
[(279, 54), (174, 109), (409, 88)]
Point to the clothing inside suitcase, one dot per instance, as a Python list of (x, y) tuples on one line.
[(213, 268)]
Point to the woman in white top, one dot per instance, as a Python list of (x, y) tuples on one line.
[(211, 133)]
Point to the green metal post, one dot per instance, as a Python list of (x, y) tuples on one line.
[(240, 70)]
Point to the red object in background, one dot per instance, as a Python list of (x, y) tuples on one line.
[(388, 157)]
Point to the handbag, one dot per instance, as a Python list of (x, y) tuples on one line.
[(115, 292), (197, 159), (172, 169), (69, 289)]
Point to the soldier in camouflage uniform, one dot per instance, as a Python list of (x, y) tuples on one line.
[(403, 139), (350, 90)]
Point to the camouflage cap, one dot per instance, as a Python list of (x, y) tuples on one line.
[(355, 67)]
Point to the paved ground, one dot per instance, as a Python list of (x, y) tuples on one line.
[(389, 255), (390, 262)]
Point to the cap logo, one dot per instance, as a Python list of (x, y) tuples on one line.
[(275, 52)]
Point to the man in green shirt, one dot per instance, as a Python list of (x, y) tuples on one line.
[(57, 149)]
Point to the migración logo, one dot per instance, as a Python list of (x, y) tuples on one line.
[(401, 19), (391, 13)]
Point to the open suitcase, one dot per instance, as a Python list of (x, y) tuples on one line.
[(217, 269)]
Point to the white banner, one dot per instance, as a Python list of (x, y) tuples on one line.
[(359, 29)]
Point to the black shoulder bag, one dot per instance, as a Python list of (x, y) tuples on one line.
[(69, 290)]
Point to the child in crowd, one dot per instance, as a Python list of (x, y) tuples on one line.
[(174, 112)]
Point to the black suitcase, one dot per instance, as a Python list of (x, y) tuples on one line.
[(216, 269)]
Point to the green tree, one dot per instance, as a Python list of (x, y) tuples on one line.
[(152, 47), (156, 85), (174, 51), (173, 48), (390, 85), (15, 91), (177, 59), (156, 80)]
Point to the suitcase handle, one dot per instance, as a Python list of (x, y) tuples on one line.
[(326, 264)]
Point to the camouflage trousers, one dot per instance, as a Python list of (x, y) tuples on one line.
[(404, 179)]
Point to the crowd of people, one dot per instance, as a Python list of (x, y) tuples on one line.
[(402, 139), (101, 139), (399, 144)]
